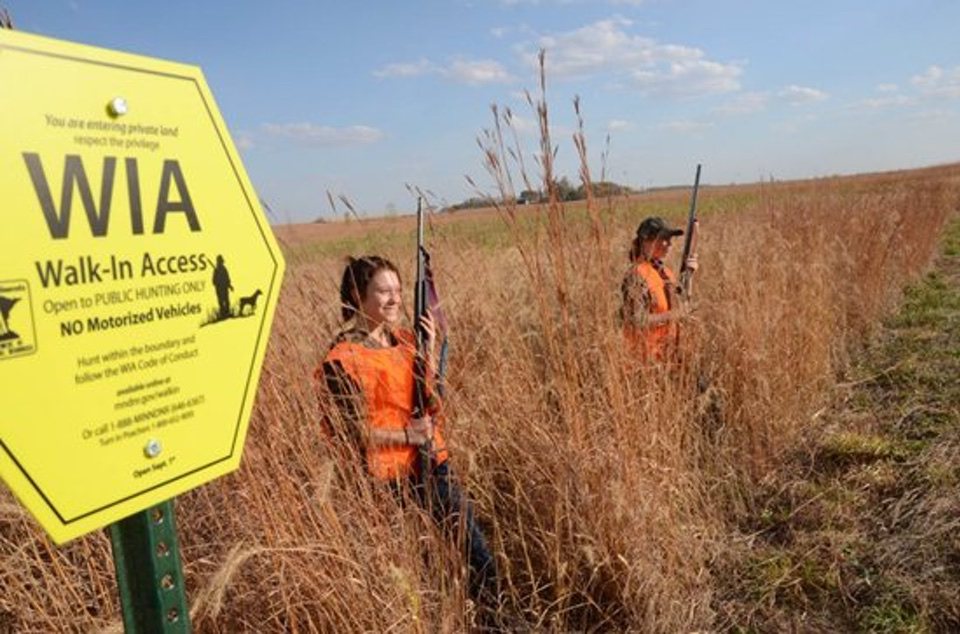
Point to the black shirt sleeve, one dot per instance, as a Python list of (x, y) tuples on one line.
[(348, 401)]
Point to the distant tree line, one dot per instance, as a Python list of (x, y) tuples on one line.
[(565, 192)]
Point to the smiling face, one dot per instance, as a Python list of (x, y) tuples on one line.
[(382, 301)]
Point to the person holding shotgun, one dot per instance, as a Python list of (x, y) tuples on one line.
[(370, 373), (652, 295)]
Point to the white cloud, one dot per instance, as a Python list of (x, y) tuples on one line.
[(606, 47), (935, 115), (460, 70), (889, 97), (599, 47), (618, 125), (243, 141), (323, 136), (936, 81), (407, 69), (745, 103), (889, 101), (512, 3), (524, 125), (689, 77), (685, 126), (799, 95), (477, 72), (930, 78)]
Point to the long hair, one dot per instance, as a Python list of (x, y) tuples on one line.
[(635, 248)]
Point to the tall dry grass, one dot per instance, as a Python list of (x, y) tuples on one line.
[(605, 486)]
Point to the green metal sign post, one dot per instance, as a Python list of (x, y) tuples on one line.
[(149, 575)]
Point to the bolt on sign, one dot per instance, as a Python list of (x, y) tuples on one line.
[(138, 282)]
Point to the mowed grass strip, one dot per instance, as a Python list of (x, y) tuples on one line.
[(861, 531)]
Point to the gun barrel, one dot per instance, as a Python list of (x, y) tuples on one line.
[(688, 243), (419, 309), (419, 292), (691, 219), (420, 361)]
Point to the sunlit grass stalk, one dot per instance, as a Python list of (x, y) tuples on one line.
[(605, 486)]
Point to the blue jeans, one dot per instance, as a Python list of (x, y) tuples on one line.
[(442, 496)]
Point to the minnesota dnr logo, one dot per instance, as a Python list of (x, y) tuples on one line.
[(16, 320)]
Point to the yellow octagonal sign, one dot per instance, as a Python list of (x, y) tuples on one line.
[(138, 280)]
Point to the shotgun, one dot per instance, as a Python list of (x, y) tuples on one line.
[(690, 241), (420, 394)]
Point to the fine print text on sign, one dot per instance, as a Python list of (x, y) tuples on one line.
[(137, 285)]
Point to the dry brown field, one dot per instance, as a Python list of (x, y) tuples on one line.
[(609, 489)]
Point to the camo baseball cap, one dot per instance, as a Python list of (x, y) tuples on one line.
[(656, 227)]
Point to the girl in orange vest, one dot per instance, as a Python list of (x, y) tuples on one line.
[(650, 292), (369, 373)]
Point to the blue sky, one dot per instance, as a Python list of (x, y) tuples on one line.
[(360, 98)]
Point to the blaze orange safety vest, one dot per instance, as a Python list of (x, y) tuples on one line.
[(653, 341), (385, 378)]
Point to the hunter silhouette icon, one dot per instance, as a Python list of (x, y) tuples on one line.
[(221, 282), (6, 304)]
